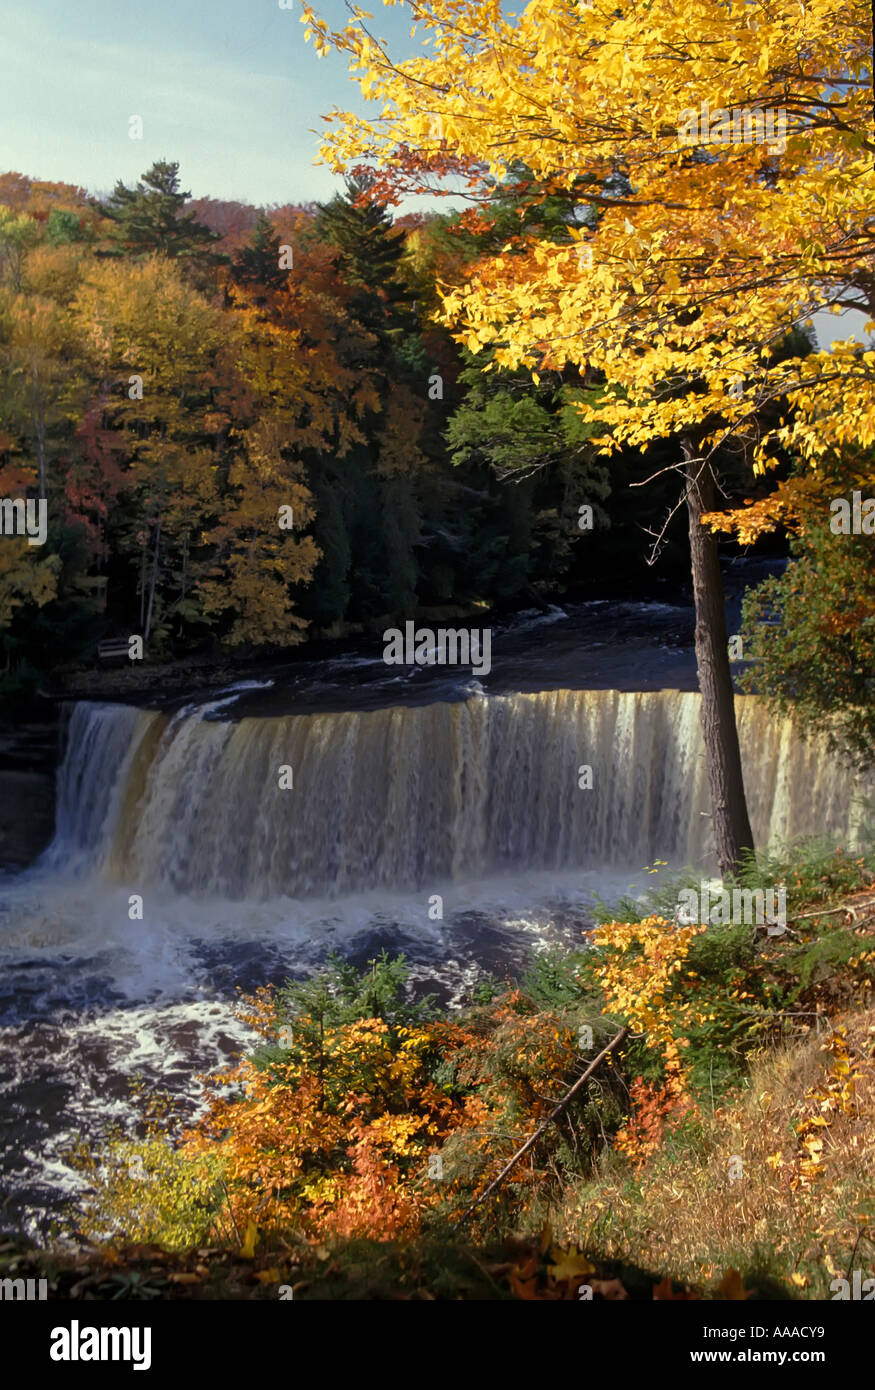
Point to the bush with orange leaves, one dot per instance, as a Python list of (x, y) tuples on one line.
[(366, 1126), (329, 1126), (510, 1064), (364, 1116)]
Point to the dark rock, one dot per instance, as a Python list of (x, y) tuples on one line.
[(27, 816)]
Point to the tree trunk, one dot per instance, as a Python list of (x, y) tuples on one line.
[(154, 577), (143, 568), (729, 818), (38, 417)]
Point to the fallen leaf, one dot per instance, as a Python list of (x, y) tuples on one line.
[(568, 1264), (524, 1277)]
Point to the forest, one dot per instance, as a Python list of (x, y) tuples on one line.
[(249, 431), (170, 386)]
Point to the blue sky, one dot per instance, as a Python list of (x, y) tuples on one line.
[(229, 88)]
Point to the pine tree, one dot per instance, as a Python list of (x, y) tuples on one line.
[(151, 219), (370, 251), (258, 263)]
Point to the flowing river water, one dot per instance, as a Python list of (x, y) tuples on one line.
[(406, 787)]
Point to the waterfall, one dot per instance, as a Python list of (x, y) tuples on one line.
[(101, 741), (403, 797)]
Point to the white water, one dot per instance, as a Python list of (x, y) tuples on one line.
[(241, 882)]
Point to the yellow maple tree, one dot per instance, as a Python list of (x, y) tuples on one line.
[(729, 153), (720, 158)]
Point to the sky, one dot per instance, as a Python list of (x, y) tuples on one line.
[(228, 88)]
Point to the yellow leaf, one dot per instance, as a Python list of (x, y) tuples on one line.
[(567, 1264), (247, 1250)]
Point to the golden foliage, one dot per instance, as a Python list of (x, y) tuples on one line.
[(698, 265), (642, 974)]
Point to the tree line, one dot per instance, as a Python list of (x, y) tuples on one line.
[(246, 428)]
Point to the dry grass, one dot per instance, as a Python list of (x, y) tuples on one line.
[(686, 1215)]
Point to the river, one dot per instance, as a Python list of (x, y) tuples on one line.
[(181, 869)]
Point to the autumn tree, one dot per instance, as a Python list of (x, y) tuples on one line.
[(154, 342), (302, 401), (44, 390), (26, 577), (214, 407), (18, 232), (728, 156), (42, 379)]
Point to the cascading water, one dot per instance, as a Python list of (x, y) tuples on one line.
[(401, 797), (240, 882)]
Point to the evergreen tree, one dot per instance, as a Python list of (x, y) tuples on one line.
[(370, 252), (381, 511), (327, 598), (258, 263), (151, 219)]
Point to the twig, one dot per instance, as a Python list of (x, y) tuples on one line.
[(557, 1110), (825, 912), (224, 1187), (853, 1255)]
